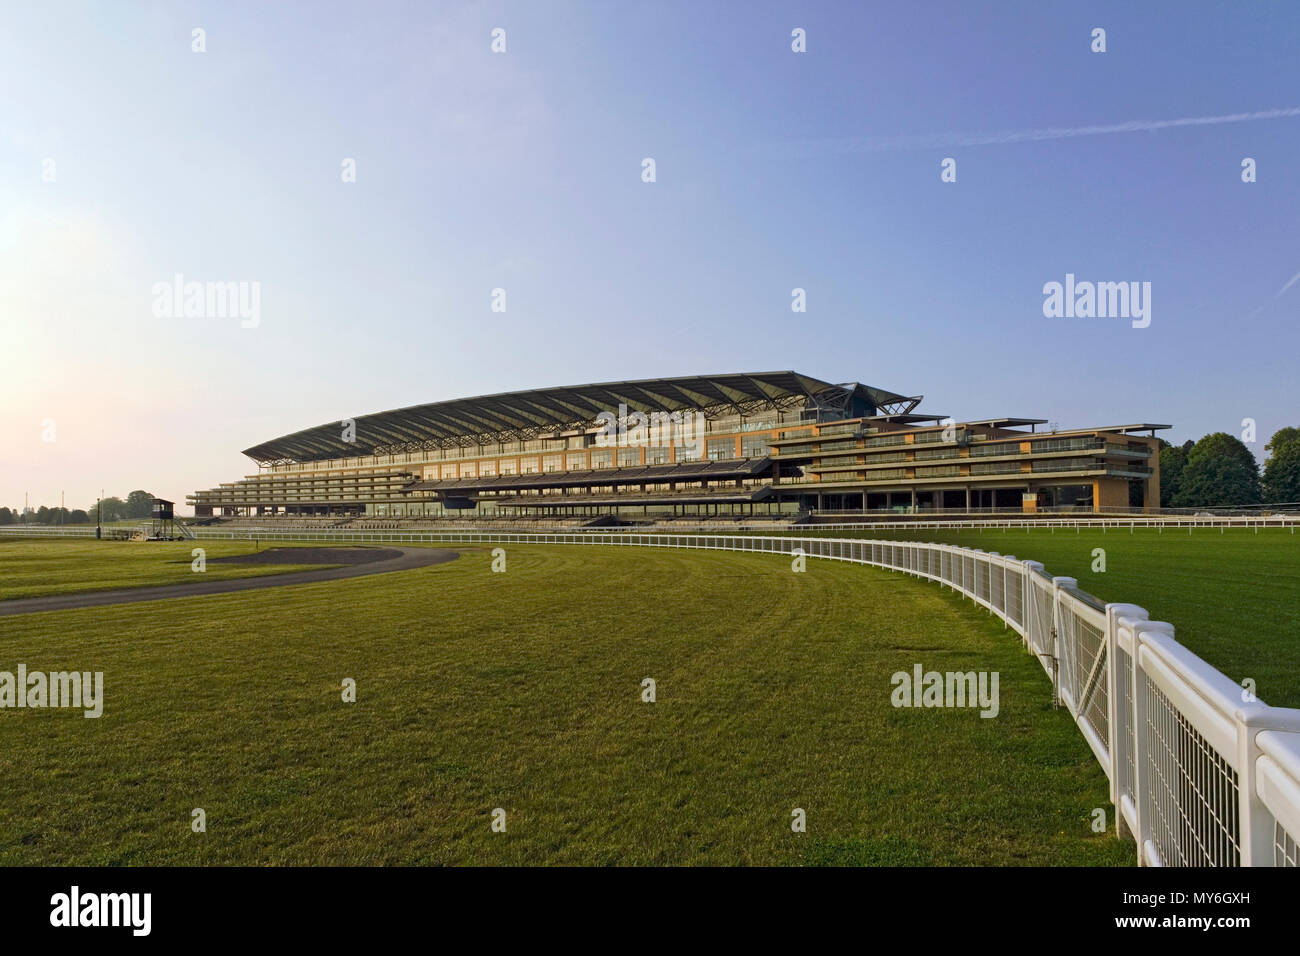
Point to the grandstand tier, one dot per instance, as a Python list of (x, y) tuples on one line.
[(738, 445)]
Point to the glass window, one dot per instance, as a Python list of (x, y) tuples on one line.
[(721, 448)]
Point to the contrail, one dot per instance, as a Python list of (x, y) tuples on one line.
[(1290, 282), (889, 144)]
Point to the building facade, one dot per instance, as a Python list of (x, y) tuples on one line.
[(771, 443)]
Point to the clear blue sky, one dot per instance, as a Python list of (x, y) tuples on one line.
[(522, 170)]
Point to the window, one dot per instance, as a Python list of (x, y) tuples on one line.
[(721, 448)]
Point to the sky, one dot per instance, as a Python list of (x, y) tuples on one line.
[(128, 158)]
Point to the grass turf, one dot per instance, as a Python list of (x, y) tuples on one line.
[(35, 567), (1232, 596), (522, 691)]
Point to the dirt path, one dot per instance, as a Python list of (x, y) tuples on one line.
[(356, 562)]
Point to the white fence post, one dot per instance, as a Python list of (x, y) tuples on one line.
[(1059, 648), (1256, 833), (1118, 688), (1141, 751), (1030, 613)]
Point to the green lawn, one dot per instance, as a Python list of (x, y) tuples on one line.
[(522, 691), (1233, 597), (34, 567)]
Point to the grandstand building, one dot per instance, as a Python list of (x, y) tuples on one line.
[(776, 444)]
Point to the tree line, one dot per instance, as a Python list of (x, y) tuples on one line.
[(1220, 470), (138, 504)]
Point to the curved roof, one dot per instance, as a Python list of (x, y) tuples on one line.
[(511, 416)]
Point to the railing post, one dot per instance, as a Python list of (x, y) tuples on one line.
[(1141, 761), (993, 604), (1118, 749), (1057, 584), (1255, 826), (1256, 833), (973, 587), (1005, 604)]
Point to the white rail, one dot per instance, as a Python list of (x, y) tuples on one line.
[(1201, 773), (1075, 523)]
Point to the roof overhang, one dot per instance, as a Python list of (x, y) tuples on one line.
[(526, 415)]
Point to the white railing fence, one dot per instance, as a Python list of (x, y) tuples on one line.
[(1201, 773), (1063, 523)]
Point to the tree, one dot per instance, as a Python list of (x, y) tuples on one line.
[(1220, 470), (76, 517), (1282, 470), (139, 504), (114, 509), (1283, 436), (1173, 458), (7, 516), (42, 515)]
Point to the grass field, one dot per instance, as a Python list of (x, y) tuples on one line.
[(34, 567), (1233, 597), (522, 691)]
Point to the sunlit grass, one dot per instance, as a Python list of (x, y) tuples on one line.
[(522, 691), (1233, 595), (33, 567)]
